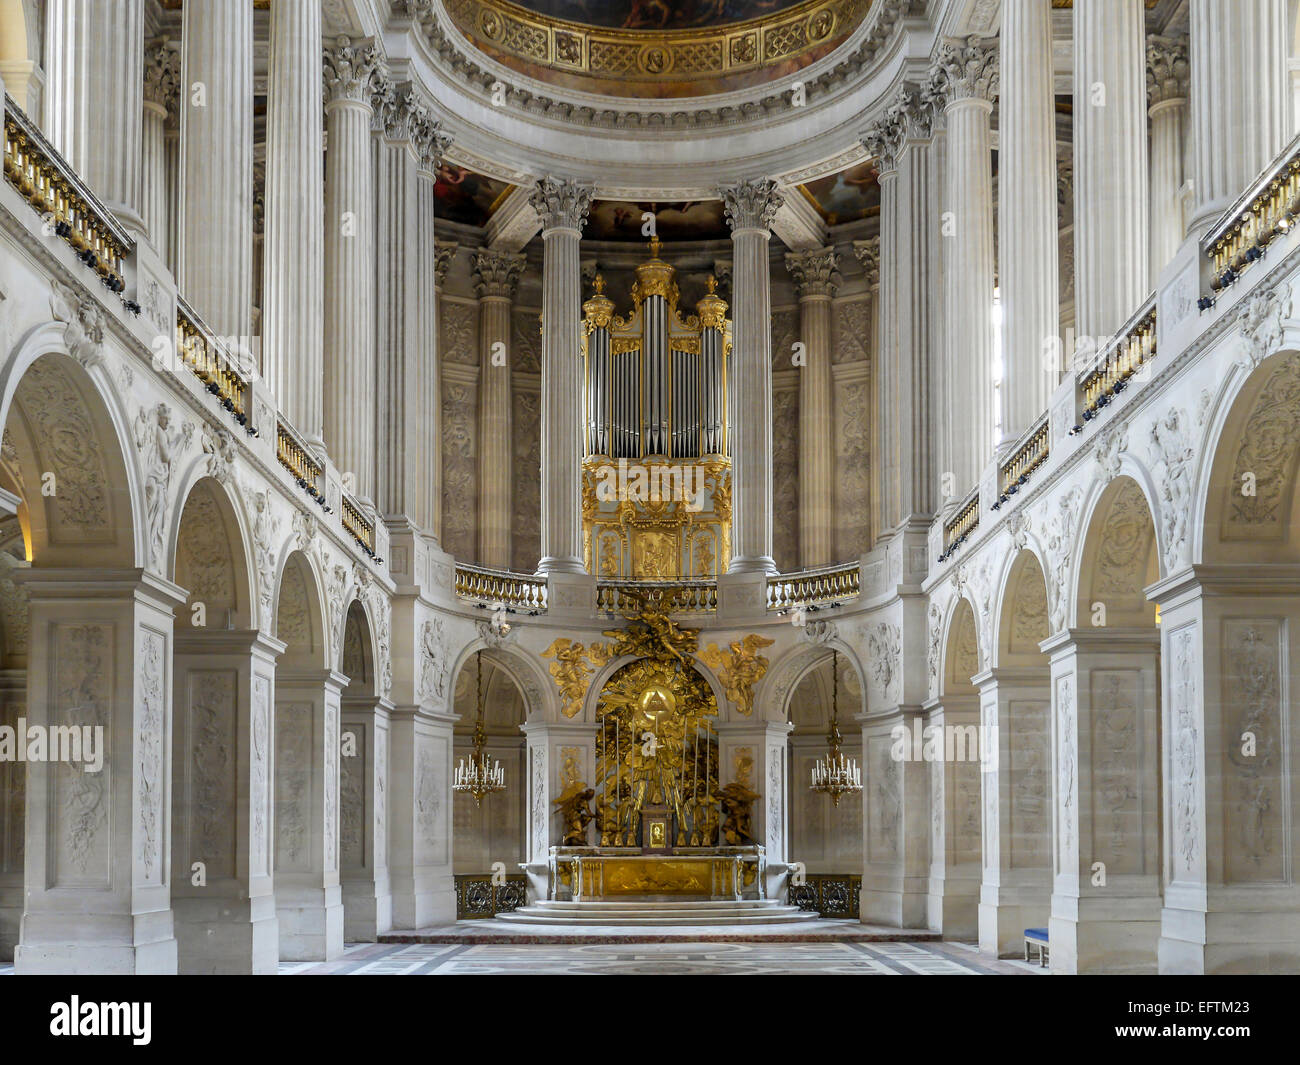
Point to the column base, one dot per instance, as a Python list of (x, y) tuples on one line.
[(898, 905), (11, 917), (758, 564), (68, 944), (952, 906), (431, 900), (367, 910), (311, 923), (227, 936), (1195, 943), (1111, 934), (1005, 912), (552, 564)]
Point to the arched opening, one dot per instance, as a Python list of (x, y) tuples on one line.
[(13, 702), (1015, 713), (825, 836), (493, 830), (307, 727), (223, 677), (363, 786)]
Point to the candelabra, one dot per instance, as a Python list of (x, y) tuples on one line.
[(835, 773), (479, 775)]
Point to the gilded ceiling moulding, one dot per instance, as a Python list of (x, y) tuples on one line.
[(656, 63)]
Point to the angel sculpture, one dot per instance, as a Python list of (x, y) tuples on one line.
[(576, 813), (739, 668)]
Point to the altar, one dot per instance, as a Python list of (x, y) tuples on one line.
[(717, 874)]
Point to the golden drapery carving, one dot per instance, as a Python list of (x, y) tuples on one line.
[(739, 668)]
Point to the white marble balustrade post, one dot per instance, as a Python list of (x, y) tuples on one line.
[(496, 277), (563, 207), (750, 209), (292, 264), (1111, 183), (93, 105), (215, 256), (815, 280), (1027, 222)]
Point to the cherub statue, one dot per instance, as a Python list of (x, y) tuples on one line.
[(607, 821), (736, 802), (576, 812)]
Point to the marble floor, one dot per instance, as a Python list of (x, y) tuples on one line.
[(662, 959)]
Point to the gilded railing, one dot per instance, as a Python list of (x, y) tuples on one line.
[(831, 584), (523, 590), (298, 460), (1109, 373), (211, 363), (958, 529), (669, 597), (829, 894), (55, 192), (477, 895), (361, 528), (1265, 211), (1023, 461)]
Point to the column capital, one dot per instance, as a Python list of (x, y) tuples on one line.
[(561, 204), (1167, 69), (496, 273), (814, 272), (348, 68), (965, 70), (162, 74), (883, 139), (429, 140), (444, 252), (751, 204), (402, 116), (867, 252)]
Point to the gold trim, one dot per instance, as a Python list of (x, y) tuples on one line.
[(715, 52)]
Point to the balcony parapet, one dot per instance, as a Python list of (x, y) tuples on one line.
[(490, 587), (1023, 460), (826, 584), (1110, 372), (212, 363), (957, 529), (669, 597)]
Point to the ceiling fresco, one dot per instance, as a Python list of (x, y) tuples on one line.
[(656, 14), (848, 196), (688, 220), (467, 197)]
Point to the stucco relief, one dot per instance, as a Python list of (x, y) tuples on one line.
[(459, 471), (852, 465), (1186, 754), (83, 675), (1266, 456), (1172, 454), (785, 479), (212, 713), (1253, 747), (161, 447), (150, 786)]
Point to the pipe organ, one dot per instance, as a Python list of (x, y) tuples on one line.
[(656, 495)]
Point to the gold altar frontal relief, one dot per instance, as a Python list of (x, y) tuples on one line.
[(658, 876)]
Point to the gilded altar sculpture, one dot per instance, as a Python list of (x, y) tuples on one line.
[(737, 801), (575, 812)]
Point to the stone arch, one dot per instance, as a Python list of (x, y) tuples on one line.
[(496, 829), (526, 671), (1022, 620), (300, 616), (776, 689), (1118, 559), (960, 658), (601, 675), (357, 653), (210, 559), (1256, 448), (69, 457), (826, 837)]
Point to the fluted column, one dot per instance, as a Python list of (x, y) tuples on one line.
[(349, 353), (867, 252), (94, 67), (162, 75), (1239, 97), (427, 464), (1027, 228), (562, 206), (815, 281), (216, 243), (292, 266), (1111, 229), (496, 276), (750, 208), (968, 75), (1167, 102)]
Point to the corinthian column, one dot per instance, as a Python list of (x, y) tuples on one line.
[(750, 208), (216, 243), (969, 78), (1167, 101), (1111, 205), (496, 276), (162, 77), (95, 63), (1027, 224), (1239, 97), (427, 463), (815, 281), (349, 354), (292, 268), (562, 206)]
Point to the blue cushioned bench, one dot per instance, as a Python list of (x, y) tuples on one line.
[(1036, 939)]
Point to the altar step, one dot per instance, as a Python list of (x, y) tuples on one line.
[(658, 912)]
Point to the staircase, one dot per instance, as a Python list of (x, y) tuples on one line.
[(648, 912)]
